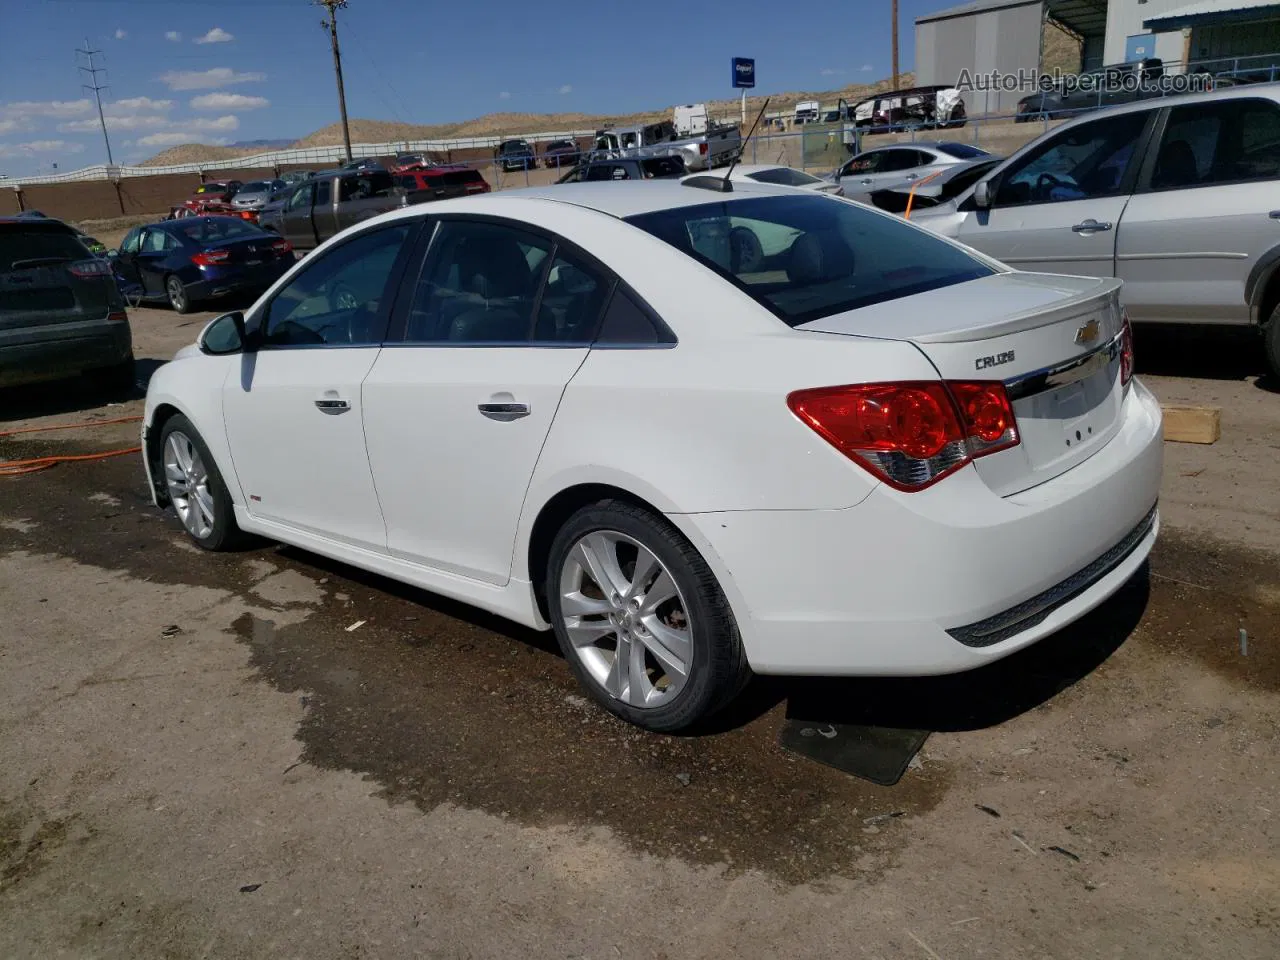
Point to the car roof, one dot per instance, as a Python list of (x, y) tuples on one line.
[(1249, 91)]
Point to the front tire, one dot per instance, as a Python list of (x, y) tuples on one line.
[(641, 619), (195, 486)]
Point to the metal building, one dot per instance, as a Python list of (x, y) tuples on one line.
[(982, 38)]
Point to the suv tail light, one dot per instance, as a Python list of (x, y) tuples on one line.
[(209, 258), (910, 435), (1126, 352), (90, 268)]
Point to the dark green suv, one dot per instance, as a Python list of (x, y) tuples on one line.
[(61, 313)]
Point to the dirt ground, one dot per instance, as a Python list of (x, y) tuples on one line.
[(203, 756)]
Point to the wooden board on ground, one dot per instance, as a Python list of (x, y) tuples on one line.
[(1185, 424)]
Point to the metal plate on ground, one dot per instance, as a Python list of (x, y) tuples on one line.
[(878, 754)]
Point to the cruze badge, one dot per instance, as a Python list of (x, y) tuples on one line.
[(983, 363), (1088, 333)]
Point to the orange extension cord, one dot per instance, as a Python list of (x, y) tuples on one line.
[(18, 468)]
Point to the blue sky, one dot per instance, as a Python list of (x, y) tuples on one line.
[(217, 71)]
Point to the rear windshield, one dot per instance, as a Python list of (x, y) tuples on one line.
[(783, 177), (962, 151), (17, 247), (216, 229), (807, 257), (257, 186)]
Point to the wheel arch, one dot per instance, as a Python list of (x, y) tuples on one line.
[(1262, 288)]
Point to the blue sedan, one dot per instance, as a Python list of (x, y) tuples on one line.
[(199, 258)]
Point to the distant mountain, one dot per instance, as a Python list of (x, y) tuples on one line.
[(264, 144)]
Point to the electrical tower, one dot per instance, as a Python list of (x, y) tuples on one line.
[(92, 71), (330, 23)]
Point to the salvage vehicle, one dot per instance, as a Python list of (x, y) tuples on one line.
[(560, 154), (933, 106), (515, 155), (441, 182), (258, 193), (1178, 197), (720, 144), (869, 451), (881, 166), (330, 202), (198, 259), (783, 176), (1095, 89), (61, 314), (627, 168), (217, 191), (911, 193)]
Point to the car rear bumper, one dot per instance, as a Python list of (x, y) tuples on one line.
[(32, 355), (210, 287), (943, 580)]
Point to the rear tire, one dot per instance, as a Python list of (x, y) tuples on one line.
[(195, 487), (692, 630), (176, 292)]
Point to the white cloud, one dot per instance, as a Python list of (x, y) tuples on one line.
[(11, 126), (831, 73), (567, 88), (173, 36), (867, 68), (136, 105), (228, 101), (121, 34), (39, 146), (505, 95), (175, 138), (216, 35), (151, 122), (207, 79), (55, 109)]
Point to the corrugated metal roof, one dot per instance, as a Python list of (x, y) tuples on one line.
[(979, 6), (1213, 11)]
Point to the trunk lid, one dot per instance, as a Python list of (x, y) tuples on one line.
[(37, 287), (250, 251), (1053, 341)]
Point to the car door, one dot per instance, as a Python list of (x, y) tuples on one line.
[(151, 259), (892, 164), (293, 413), (295, 220), (482, 376), (1055, 209), (125, 261), (1206, 210)]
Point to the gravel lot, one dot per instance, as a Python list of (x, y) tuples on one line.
[(198, 759)]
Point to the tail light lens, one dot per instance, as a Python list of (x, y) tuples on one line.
[(702, 148), (1126, 352), (209, 258), (117, 316), (910, 435), (281, 247), (90, 268)]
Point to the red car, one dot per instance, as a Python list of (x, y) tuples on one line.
[(202, 206), (442, 182)]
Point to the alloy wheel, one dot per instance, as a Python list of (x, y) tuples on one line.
[(177, 295), (187, 479), (626, 619)]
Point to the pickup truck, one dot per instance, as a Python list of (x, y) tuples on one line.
[(330, 202), (719, 145)]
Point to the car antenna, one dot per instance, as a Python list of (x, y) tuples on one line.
[(723, 185)]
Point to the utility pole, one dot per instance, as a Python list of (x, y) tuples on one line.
[(330, 23), (89, 53), (895, 44)]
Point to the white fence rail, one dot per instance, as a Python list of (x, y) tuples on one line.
[(309, 155)]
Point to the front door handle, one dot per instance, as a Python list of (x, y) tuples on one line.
[(1090, 226), (504, 412), (333, 404)]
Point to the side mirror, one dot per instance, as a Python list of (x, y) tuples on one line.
[(982, 195), (225, 335)]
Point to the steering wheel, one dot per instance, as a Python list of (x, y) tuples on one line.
[(1051, 180)]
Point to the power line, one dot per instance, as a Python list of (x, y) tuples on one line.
[(92, 71), (330, 23)]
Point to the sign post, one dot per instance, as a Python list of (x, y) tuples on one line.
[(744, 78)]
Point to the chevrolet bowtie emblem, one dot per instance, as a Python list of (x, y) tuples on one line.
[(1088, 333)]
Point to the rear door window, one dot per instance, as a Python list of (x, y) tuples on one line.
[(1231, 141)]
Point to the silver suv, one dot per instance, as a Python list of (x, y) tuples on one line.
[(1179, 198)]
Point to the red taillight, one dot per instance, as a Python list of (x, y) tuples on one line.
[(910, 435), (702, 148), (281, 247), (90, 268), (250, 215), (1126, 352), (209, 258), (117, 316)]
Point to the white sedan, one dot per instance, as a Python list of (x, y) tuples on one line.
[(595, 408), (778, 175)]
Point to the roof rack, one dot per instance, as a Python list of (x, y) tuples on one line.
[(705, 182)]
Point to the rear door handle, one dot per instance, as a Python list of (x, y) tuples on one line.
[(1090, 226), (504, 412), (333, 403)]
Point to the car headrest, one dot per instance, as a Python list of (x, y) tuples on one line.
[(819, 258)]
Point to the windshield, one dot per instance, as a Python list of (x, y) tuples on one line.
[(784, 177), (806, 257), (257, 186), (962, 151)]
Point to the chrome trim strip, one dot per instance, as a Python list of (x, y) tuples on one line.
[(1004, 626), (1061, 374)]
